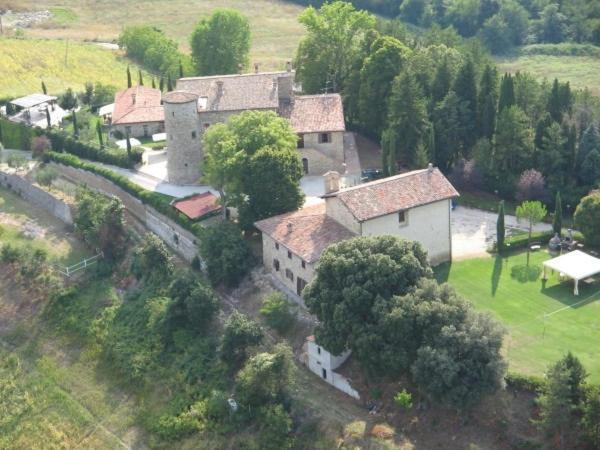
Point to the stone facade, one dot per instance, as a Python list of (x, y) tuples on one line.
[(289, 270), (137, 130), (322, 157)]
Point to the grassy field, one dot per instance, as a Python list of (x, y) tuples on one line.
[(46, 232), (543, 321), (580, 71), (275, 29), (26, 62)]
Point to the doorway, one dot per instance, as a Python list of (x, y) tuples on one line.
[(305, 165), (324, 373)]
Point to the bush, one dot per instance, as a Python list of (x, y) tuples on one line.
[(532, 186), (403, 399), (152, 260), (39, 146), (587, 218), (173, 428), (45, 176), (227, 255), (16, 136), (523, 382), (521, 240), (10, 254), (239, 335), (276, 312), (16, 161)]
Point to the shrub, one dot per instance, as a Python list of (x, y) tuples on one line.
[(523, 382), (173, 428), (275, 428), (16, 136), (10, 254), (239, 335), (152, 260), (532, 186), (276, 312), (16, 161), (227, 255), (39, 146), (45, 176), (466, 175), (587, 218), (403, 399)]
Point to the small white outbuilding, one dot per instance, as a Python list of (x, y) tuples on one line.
[(576, 265)]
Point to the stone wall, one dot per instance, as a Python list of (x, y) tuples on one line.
[(180, 240), (37, 196), (137, 130), (184, 142)]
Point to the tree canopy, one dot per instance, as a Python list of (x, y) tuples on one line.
[(220, 43)]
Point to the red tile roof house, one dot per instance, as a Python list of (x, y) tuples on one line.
[(199, 102), (198, 206), (138, 112), (415, 206)]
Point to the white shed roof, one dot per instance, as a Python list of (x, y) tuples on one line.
[(32, 100), (106, 109), (576, 265)]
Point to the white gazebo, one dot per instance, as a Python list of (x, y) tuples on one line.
[(576, 265)]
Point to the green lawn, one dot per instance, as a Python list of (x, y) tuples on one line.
[(543, 322), (580, 71), (25, 62)]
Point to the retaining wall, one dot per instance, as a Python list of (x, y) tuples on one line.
[(180, 240), (37, 196)]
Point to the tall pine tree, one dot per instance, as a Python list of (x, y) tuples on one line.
[(488, 97), (558, 216), (44, 90), (140, 78), (500, 230), (129, 84), (554, 106), (507, 92), (465, 87), (441, 82)]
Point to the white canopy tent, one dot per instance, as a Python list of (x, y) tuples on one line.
[(576, 265)]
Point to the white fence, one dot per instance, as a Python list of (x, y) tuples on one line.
[(82, 265)]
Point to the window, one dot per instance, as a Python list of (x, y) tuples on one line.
[(300, 285), (276, 245), (300, 141), (324, 138), (173, 113), (289, 274), (193, 135), (304, 264), (289, 255), (324, 373), (305, 165), (128, 130), (145, 130), (319, 350), (276, 265), (402, 217)]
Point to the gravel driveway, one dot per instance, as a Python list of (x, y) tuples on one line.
[(474, 231)]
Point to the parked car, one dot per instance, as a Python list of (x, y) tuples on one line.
[(371, 174)]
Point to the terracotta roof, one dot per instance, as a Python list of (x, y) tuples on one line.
[(388, 195), (180, 97), (316, 113), (199, 205), (138, 104), (235, 92), (306, 232)]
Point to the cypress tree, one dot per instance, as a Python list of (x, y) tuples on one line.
[(140, 78), (441, 82), (169, 83), (153, 83), (48, 119), (180, 69), (75, 132), (129, 84), (507, 92), (161, 84), (99, 131), (554, 106), (44, 90), (500, 231), (1, 135), (465, 88), (128, 147), (488, 96), (557, 221)]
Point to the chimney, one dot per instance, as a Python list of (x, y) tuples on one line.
[(133, 99), (332, 181), (255, 67), (288, 66), (430, 168), (289, 227), (219, 87)]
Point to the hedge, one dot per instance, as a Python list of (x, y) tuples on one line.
[(543, 237), (61, 142), (19, 137), (157, 201), (16, 136), (523, 382)]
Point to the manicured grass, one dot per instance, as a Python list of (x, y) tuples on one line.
[(580, 71), (25, 62), (50, 235), (275, 29), (543, 321)]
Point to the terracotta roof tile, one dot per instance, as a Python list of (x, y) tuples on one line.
[(388, 195), (180, 97), (197, 206), (138, 104), (315, 113), (306, 232), (235, 92)]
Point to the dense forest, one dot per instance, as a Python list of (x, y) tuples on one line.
[(438, 97), (501, 24)]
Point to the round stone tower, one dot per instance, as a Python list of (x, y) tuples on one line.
[(184, 144)]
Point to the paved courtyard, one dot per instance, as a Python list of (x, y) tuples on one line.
[(474, 231)]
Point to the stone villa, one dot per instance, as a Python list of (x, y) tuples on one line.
[(414, 205), (199, 102), (137, 113)]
